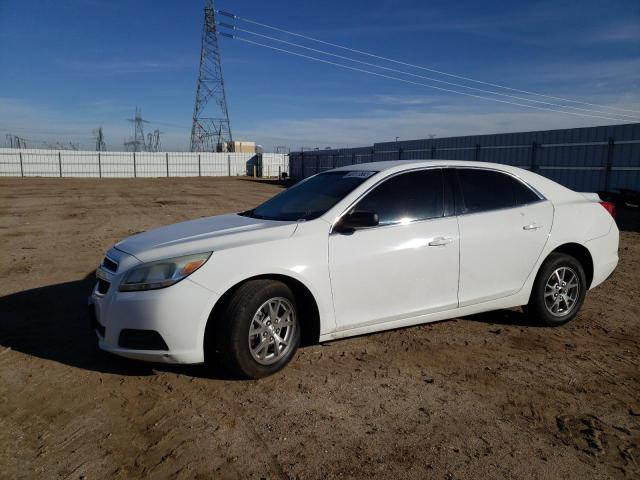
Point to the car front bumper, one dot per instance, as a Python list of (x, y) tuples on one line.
[(178, 314)]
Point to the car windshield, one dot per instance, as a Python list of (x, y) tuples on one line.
[(310, 198)]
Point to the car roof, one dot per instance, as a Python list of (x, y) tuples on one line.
[(546, 186), (408, 164)]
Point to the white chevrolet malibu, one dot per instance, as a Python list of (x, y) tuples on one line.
[(350, 251)]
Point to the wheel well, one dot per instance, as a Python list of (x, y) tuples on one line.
[(581, 254), (306, 303)]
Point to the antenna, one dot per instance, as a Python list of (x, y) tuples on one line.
[(211, 131)]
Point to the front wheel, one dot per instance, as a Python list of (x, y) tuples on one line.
[(558, 291), (260, 329)]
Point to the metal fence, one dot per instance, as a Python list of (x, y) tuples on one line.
[(71, 163), (585, 159)]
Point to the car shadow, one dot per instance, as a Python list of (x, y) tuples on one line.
[(285, 183), (628, 219), (504, 317), (52, 322)]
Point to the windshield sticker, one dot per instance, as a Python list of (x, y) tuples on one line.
[(360, 174)]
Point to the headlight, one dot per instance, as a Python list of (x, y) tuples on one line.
[(163, 273)]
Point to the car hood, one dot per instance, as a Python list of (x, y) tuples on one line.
[(203, 235)]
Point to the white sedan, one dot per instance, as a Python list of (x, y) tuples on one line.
[(350, 251)]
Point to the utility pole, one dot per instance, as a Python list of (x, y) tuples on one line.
[(138, 143), (101, 145), (210, 131)]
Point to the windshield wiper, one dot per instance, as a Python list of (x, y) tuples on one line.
[(249, 213), (252, 214)]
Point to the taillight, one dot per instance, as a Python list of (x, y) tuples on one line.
[(609, 207)]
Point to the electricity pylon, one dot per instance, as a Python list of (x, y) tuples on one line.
[(153, 141), (14, 141), (210, 131), (137, 144)]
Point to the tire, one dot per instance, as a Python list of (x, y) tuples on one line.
[(549, 293), (246, 326)]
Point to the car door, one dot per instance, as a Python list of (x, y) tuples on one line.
[(408, 264), (504, 225)]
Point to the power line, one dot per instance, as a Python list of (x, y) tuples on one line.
[(235, 37), (233, 27), (440, 72)]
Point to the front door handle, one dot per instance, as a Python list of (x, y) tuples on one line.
[(440, 241), (532, 226)]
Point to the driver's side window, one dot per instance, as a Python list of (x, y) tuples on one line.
[(411, 196)]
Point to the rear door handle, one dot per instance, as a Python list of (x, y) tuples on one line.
[(532, 226), (440, 241)]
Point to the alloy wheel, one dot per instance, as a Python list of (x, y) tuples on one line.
[(272, 330), (562, 291)]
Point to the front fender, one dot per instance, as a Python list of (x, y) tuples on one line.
[(302, 257)]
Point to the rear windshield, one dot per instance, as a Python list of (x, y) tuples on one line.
[(310, 198)]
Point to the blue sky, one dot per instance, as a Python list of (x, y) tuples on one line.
[(69, 66)]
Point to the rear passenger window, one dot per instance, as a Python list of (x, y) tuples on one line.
[(484, 190), (524, 194), (406, 197)]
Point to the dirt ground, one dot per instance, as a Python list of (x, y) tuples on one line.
[(483, 397)]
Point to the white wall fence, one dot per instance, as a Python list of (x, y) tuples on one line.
[(73, 163), (274, 164)]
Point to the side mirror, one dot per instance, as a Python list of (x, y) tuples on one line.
[(352, 221)]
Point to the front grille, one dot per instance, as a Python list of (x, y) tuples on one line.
[(109, 264), (103, 286), (141, 340)]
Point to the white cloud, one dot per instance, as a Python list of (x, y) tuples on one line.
[(396, 100), (378, 125), (120, 67), (373, 122)]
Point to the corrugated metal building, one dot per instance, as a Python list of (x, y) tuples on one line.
[(584, 159)]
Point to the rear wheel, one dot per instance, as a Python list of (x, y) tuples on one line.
[(558, 291), (259, 330)]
